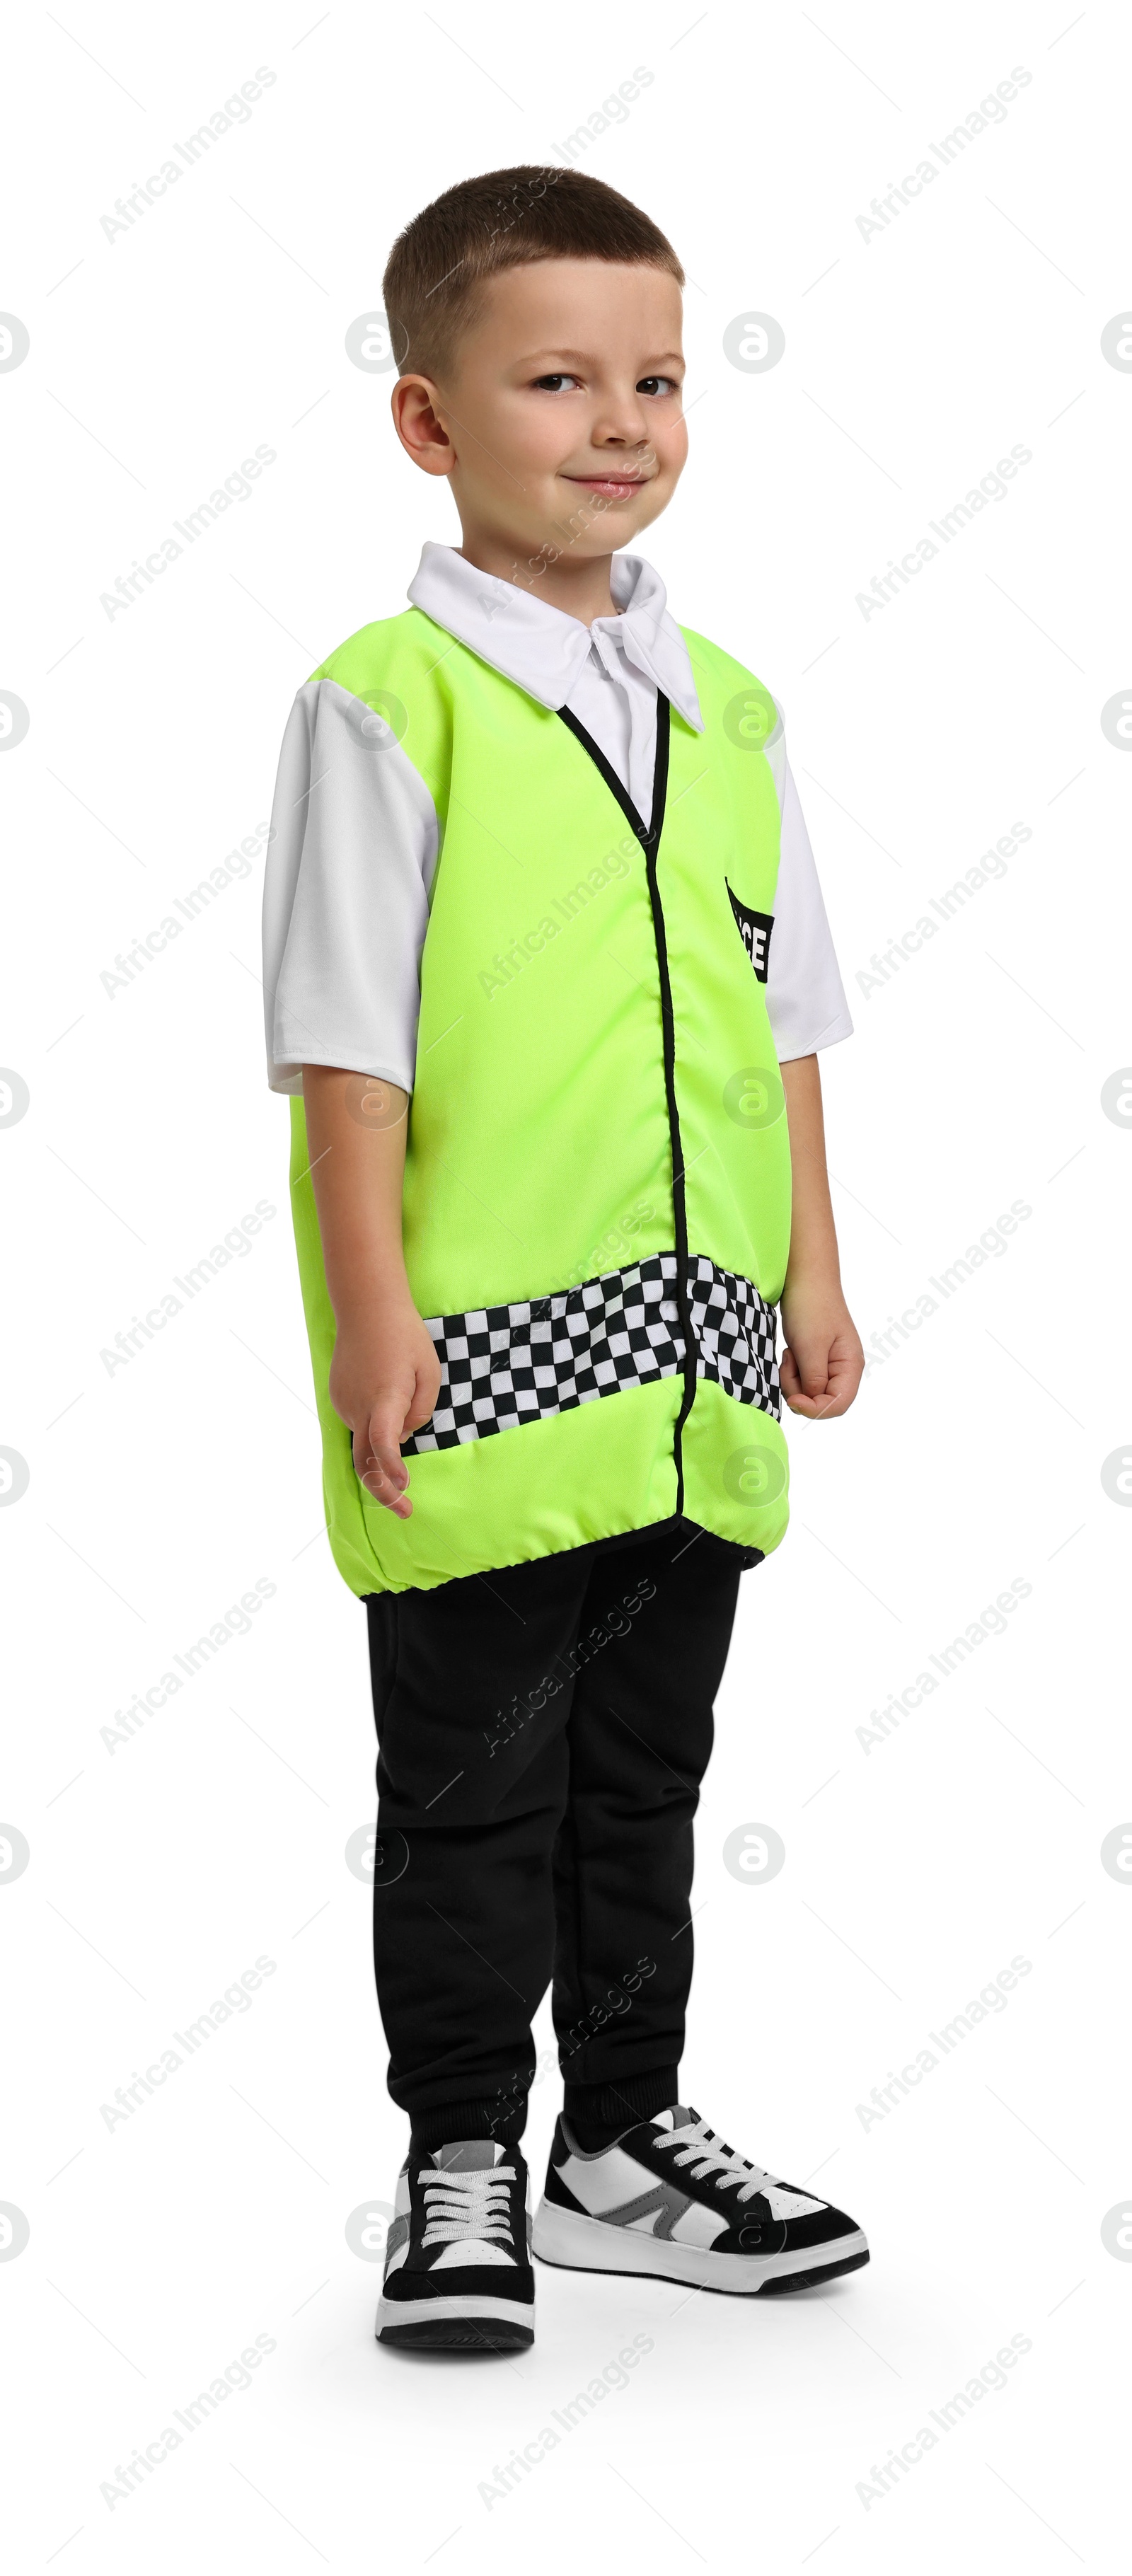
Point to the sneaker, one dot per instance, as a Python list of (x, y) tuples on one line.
[(671, 2201), (457, 2258)]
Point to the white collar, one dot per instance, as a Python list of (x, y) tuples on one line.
[(542, 649)]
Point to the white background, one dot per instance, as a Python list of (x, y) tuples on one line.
[(916, 1868)]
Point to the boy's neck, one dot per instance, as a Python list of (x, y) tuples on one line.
[(578, 589)]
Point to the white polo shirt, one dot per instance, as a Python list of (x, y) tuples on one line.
[(355, 843)]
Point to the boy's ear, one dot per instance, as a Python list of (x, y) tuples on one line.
[(421, 432)]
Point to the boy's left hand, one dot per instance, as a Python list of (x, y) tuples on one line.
[(823, 1362)]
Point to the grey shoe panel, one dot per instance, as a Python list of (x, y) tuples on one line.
[(668, 2203), (469, 2155), (677, 2204)]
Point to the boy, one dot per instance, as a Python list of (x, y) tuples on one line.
[(541, 926)]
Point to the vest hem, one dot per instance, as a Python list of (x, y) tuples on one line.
[(674, 1523)]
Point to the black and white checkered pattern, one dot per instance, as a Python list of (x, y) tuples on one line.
[(735, 1334), (506, 1365)]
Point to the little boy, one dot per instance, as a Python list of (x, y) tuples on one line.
[(547, 967)]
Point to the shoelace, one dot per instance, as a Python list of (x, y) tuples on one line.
[(699, 2147), (468, 2204)]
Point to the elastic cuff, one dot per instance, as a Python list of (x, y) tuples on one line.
[(504, 2120), (618, 2105)]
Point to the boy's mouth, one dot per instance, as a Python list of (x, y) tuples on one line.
[(613, 487)]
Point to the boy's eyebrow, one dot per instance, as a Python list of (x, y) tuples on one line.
[(668, 357)]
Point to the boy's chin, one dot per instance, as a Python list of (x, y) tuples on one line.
[(607, 515)]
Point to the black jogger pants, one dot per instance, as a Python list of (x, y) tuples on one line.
[(542, 1734)]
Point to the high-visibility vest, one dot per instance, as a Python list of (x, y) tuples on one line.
[(597, 1178)]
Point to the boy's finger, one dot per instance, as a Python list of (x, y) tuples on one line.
[(382, 1469), (844, 1376), (846, 1370), (387, 1430), (806, 1372), (382, 1491), (423, 1403), (819, 1408)]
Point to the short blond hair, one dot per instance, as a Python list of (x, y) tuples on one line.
[(502, 219)]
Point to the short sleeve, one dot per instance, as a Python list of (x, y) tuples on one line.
[(350, 865), (805, 997)]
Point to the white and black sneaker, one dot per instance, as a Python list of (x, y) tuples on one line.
[(670, 2200), (457, 2259)]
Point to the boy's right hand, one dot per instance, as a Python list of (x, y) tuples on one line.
[(384, 1382)]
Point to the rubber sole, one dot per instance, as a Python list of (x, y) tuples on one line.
[(455, 2324), (574, 2242)]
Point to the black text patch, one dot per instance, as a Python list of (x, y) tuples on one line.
[(754, 931)]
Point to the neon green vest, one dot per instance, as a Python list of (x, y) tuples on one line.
[(597, 1181)]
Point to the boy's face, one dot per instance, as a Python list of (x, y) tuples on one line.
[(560, 421)]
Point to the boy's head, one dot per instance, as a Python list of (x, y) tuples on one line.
[(536, 316)]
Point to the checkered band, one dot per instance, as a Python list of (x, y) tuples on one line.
[(506, 1365), (735, 1335)]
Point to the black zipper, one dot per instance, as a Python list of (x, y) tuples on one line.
[(649, 838)]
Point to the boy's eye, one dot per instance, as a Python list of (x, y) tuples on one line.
[(553, 384), (657, 385)]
